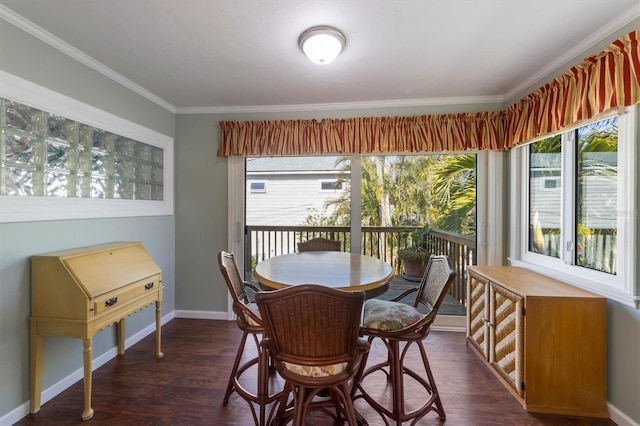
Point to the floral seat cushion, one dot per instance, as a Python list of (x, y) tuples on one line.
[(316, 371), (386, 316), (253, 307)]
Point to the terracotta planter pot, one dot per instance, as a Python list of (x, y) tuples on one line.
[(413, 269)]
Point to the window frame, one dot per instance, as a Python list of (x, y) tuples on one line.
[(621, 287), (35, 208)]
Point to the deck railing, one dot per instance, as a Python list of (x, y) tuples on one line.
[(263, 242)]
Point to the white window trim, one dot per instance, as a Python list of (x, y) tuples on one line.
[(28, 208), (621, 287)]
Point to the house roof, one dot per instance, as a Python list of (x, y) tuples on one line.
[(243, 56), (294, 164)]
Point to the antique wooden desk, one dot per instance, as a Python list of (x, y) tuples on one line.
[(346, 271), (78, 292)]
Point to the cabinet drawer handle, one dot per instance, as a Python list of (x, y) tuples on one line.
[(148, 286), (111, 302)]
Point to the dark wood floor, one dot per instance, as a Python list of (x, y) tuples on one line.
[(187, 385)]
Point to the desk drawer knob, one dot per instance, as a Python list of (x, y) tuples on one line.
[(111, 302), (148, 286)]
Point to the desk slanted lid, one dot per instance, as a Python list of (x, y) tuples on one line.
[(101, 268)]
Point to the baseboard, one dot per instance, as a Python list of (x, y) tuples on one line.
[(620, 418), (450, 323), (210, 315)]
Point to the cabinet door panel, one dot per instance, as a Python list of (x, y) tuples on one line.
[(506, 336), (478, 313)]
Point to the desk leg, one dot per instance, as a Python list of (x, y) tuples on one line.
[(88, 411), (35, 367), (120, 333), (159, 353)]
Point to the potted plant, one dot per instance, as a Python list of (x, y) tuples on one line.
[(414, 258)]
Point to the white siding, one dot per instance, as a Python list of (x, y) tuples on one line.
[(289, 198)]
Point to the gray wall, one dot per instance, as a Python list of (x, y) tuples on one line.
[(30, 59)]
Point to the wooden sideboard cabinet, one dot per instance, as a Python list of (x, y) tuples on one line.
[(78, 292), (544, 339)]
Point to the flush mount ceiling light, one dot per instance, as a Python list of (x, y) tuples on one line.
[(322, 44)]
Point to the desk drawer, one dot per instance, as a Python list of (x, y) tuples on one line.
[(123, 295)]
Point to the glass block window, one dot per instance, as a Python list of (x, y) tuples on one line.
[(47, 155)]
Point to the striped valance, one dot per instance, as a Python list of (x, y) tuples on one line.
[(428, 133), (608, 80), (600, 83)]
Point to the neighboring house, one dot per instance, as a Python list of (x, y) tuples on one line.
[(287, 191), (599, 190)]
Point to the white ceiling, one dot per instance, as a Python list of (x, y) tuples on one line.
[(242, 55)]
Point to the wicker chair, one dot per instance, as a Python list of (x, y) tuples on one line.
[(319, 244), (313, 336), (394, 323), (249, 321)]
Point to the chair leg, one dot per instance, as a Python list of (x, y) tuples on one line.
[(234, 369), (397, 381), (258, 401), (281, 406), (299, 405), (435, 395), (349, 411), (396, 376), (303, 402)]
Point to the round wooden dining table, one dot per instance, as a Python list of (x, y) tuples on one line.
[(344, 271)]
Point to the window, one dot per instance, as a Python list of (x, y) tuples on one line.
[(70, 160), (545, 200), (49, 155), (258, 187), (330, 185), (551, 183), (577, 192)]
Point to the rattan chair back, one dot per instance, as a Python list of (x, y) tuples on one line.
[(312, 334), (435, 284), (237, 289), (319, 244), (262, 394)]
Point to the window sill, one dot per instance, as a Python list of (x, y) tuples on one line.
[(611, 293)]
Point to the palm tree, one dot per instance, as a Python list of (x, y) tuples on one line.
[(453, 191), (412, 191)]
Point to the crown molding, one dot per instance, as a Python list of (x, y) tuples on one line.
[(45, 36), (398, 103), (595, 38)]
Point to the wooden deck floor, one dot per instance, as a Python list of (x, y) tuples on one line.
[(450, 306)]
